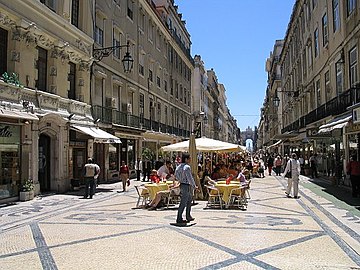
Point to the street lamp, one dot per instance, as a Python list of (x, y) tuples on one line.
[(276, 99), (127, 61)]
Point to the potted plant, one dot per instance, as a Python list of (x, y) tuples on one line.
[(27, 190)]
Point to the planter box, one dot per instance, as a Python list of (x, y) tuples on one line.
[(26, 195)]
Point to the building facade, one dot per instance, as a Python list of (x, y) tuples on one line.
[(149, 106), (45, 58), (320, 82)]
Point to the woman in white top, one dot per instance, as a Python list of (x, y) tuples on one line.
[(293, 165)]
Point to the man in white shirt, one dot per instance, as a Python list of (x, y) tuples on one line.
[(138, 168), (164, 170), (293, 165)]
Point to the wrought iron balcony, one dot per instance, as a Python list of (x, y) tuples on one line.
[(333, 107), (112, 116)]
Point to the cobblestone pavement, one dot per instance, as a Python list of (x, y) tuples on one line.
[(107, 232)]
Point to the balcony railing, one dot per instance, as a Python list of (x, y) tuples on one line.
[(333, 107), (112, 116)]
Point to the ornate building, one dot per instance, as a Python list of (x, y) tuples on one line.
[(320, 81), (46, 51)]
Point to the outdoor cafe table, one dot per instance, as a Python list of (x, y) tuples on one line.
[(225, 189), (156, 187)]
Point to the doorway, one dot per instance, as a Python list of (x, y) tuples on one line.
[(44, 163)]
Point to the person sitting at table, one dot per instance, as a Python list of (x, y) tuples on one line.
[(241, 177), (223, 171), (164, 170), (174, 190), (216, 174), (154, 177)]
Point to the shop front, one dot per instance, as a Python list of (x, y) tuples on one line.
[(10, 160), (91, 142), (15, 151)]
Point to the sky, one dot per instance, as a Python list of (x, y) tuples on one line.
[(235, 37)]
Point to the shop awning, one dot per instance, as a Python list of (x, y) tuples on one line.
[(286, 135), (275, 144), (99, 135), (336, 123), (18, 115)]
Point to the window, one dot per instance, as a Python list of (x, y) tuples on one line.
[(72, 81), (99, 34), (99, 28), (318, 92), (353, 66), (350, 6), (181, 93), (166, 115), (176, 90), (116, 43), (50, 4), (141, 107), (165, 86), (171, 86), (159, 112), (325, 31), (141, 64), (316, 42), (75, 13), (327, 86), (339, 78), (130, 8), (3, 50), (336, 15), (158, 81), (151, 31), (150, 75), (41, 82), (142, 21), (309, 55)]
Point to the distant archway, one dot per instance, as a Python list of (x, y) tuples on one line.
[(248, 137)]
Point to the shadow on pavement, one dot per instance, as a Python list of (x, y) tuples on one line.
[(339, 192)]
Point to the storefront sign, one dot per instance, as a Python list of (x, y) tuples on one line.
[(79, 144), (353, 128), (9, 134), (314, 133)]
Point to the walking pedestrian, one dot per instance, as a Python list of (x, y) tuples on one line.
[(353, 169), (91, 172), (187, 188), (293, 166), (124, 175), (138, 168), (270, 163), (278, 163), (313, 166)]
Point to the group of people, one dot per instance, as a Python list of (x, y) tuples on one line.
[(184, 185)]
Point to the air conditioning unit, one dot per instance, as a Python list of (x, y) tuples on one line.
[(129, 108)]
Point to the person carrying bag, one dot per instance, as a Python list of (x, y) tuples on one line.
[(292, 173)]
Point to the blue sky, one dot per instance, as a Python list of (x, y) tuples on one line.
[(235, 37)]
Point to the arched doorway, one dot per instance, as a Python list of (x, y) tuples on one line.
[(44, 163)]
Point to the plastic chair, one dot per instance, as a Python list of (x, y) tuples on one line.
[(214, 197), (247, 187), (143, 194), (238, 197)]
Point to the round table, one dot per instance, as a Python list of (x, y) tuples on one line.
[(225, 190), (154, 188)]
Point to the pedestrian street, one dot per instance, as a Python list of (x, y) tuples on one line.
[(64, 231)]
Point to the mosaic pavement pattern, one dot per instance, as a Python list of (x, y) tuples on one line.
[(107, 232)]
